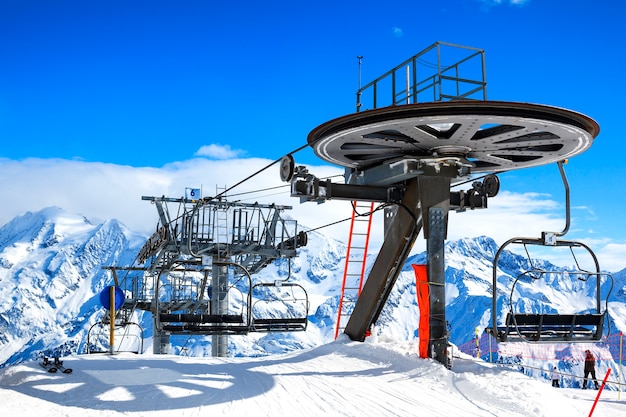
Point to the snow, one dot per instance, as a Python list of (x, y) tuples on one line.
[(381, 377)]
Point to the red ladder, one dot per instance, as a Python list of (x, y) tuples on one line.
[(356, 256)]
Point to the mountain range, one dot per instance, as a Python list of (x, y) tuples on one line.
[(51, 276)]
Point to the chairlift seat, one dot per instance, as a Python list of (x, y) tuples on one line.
[(279, 324), (203, 323), (201, 318), (194, 328), (294, 307), (551, 328)]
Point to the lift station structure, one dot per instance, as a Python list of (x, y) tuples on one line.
[(194, 274), (419, 129)]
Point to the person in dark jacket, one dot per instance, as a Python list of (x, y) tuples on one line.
[(590, 369)]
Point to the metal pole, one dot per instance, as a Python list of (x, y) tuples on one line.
[(360, 58), (408, 85), (482, 55), (219, 305), (414, 80), (358, 94), (567, 199), (436, 274), (477, 344), (438, 72)]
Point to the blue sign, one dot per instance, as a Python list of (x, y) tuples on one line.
[(105, 298)]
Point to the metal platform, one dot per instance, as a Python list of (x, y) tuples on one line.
[(487, 136)]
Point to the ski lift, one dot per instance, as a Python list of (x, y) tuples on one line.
[(551, 327), (186, 311), (125, 339), (281, 307)]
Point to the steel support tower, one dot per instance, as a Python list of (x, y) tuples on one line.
[(409, 153), (194, 273)]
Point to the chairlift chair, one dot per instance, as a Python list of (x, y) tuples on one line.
[(190, 315), (550, 327), (281, 307)]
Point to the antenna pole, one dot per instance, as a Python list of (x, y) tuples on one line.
[(358, 93)]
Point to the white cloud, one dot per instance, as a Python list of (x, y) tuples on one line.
[(216, 151), (611, 256), (102, 191), (397, 31)]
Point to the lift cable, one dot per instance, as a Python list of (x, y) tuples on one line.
[(276, 187), (458, 184), (369, 213), (330, 224), (258, 172)]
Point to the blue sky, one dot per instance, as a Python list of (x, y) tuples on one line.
[(138, 92)]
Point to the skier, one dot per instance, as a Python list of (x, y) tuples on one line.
[(555, 377), (590, 369)]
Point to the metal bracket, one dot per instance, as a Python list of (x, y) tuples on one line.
[(308, 187), (402, 169)]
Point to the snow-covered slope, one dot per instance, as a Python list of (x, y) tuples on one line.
[(382, 377)]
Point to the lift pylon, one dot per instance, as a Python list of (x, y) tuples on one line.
[(409, 154), (194, 274), (356, 261)]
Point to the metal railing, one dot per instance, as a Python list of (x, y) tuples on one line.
[(425, 77)]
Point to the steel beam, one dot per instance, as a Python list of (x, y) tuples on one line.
[(424, 196), (400, 234), (313, 189), (438, 343), (219, 305), (435, 201)]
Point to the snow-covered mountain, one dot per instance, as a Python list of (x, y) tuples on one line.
[(51, 275)]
